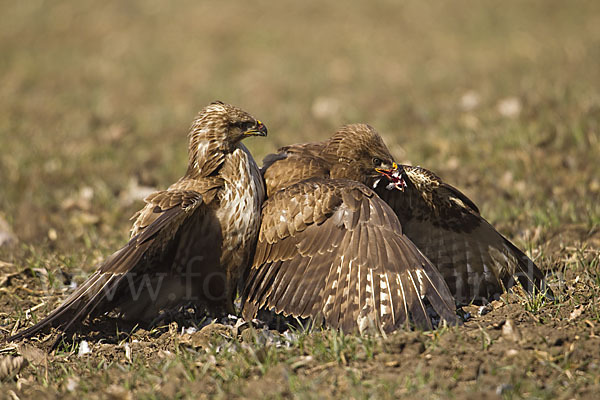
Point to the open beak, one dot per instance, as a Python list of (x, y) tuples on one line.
[(259, 130), (394, 176), (384, 169)]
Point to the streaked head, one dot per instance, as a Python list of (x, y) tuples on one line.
[(358, 152), (225, 124), (217, 131)]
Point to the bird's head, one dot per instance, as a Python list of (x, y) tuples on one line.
[(226, 125), (218, 130), (358, 152)]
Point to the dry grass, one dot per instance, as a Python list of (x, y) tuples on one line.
[(501, 100)]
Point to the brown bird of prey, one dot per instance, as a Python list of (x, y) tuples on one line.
[(329, 248), (191, 242), (477, 262)]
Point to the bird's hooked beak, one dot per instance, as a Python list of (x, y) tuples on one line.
[(393, 175), (259, 129)]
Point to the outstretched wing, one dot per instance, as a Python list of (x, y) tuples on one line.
[(154, 230), (332, 249), (476, 261)]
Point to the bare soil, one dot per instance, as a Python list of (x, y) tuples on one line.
[(502, 102)]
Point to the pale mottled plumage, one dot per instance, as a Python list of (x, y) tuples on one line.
[(190, 242), (330, 248)]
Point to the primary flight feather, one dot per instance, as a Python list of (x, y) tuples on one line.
[(191, 242)]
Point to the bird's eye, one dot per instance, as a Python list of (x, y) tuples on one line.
[(246, 125), (377, 162)]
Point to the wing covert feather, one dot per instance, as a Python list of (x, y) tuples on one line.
[(339, 263), (170, 212)]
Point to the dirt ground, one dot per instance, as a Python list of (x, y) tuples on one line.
[(502, 102)]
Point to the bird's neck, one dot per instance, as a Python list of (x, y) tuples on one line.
[(206, 156)]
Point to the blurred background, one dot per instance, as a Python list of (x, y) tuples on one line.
[(500, 99)]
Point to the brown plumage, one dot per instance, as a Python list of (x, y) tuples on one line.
[(330, 248), (477, 262), (190, 243)]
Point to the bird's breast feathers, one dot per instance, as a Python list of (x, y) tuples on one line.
[(242, 195)]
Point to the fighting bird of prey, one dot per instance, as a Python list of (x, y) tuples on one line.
[(330, 249), (477, 262), (190, 243)]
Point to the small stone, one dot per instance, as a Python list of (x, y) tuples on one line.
[(7, 237), (128, 352), (510, 331), (72, 384), (501, 389), (576, 313), (469, 101), (190, 330), (509, 107), (511, 352), (485, 309), (52, 234), (84, 348)]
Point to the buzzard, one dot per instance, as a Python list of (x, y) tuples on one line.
[(331, 249), (191, 242), (477, 262)]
